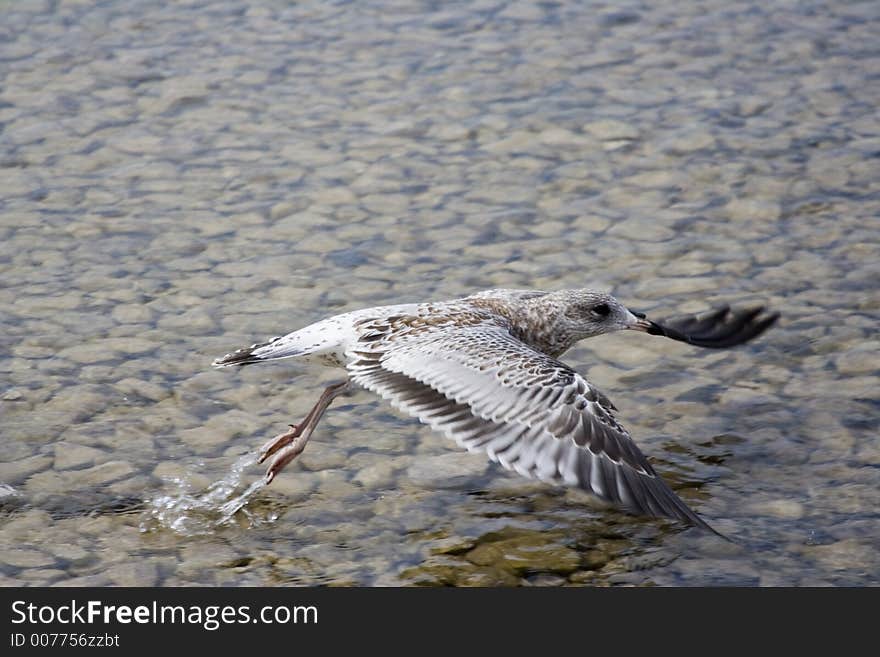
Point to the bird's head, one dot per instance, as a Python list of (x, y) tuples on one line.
[(586, 313)]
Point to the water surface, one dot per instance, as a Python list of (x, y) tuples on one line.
[(181, 179)]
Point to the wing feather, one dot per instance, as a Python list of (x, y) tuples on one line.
[(488, 391)]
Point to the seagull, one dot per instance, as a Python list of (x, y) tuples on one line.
[(484, 371)]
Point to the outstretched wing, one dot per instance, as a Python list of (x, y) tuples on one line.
[(531, 413)]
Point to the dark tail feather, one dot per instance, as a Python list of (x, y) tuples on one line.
[(243, 356)]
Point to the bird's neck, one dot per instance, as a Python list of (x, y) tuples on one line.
[(538, 322)]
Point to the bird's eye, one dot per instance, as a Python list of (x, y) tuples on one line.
[(601, 309)]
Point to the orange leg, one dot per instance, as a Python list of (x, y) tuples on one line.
[(287, 446)]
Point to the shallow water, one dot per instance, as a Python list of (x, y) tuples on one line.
[(181, 179)]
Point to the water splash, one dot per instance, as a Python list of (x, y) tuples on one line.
[(194, 513), (10, 499), (7, 491)]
